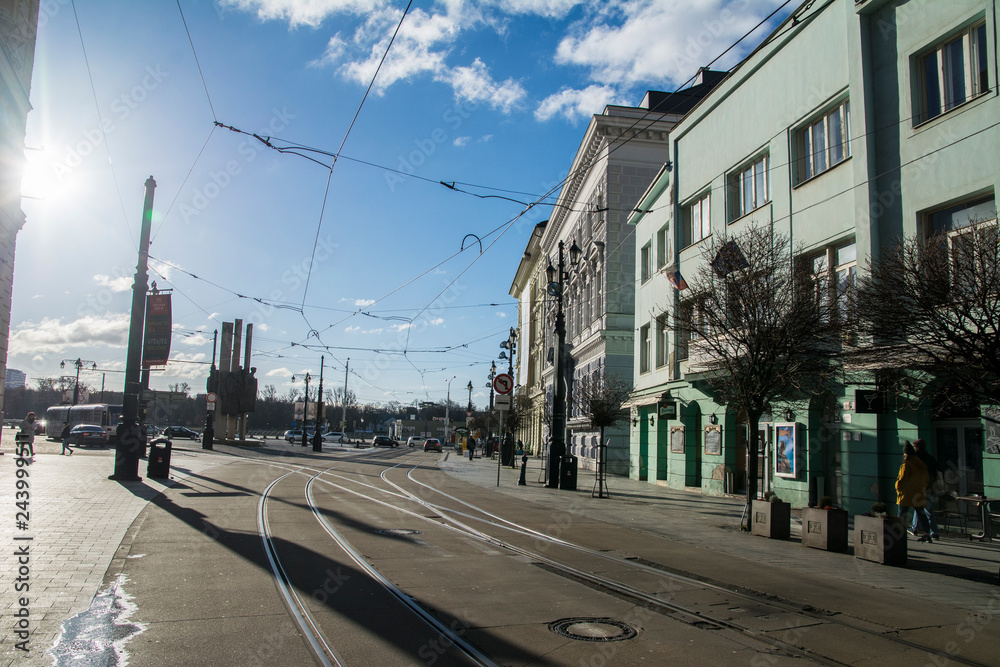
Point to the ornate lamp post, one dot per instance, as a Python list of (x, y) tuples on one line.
[(79, 363), (556, 278), (305, 410), (447, 407), (470, 395)]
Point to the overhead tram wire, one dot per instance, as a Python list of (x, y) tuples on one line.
[(196, 61), (326, 193), (97, 106)]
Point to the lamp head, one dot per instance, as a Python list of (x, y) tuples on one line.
[(550, 273), (574, 254)]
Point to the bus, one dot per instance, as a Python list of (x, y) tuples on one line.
[(100, 414)]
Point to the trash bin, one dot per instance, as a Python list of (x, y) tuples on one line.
[(158, 466), (567, 473)]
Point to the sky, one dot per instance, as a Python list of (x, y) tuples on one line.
[(473, 117)]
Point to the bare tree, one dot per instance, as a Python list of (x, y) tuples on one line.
[(601, 397), (929, 310), (760, 325)]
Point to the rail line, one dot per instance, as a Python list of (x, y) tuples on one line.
[(460, 520)]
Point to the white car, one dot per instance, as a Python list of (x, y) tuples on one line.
[(333, 436), (415, 441)]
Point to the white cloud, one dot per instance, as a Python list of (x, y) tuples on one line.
[(352, 329), (501, 314), (120, 284), (279, 372), (577, 104), (361, 303), (461, 141), (302, 12), (436, 321), (53, 335), (402, 327), (637, 41), (475, 84)]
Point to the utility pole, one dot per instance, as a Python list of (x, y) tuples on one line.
[(317, 436), (343, 403), (127, 449)]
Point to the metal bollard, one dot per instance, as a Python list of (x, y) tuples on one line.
[(524, 468)]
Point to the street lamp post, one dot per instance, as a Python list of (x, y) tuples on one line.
[(305, 410), (79, 364), (557, 449), (489, 418), (447, 407), (317, 436), (470, 395)]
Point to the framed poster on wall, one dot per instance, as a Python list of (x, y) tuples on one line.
[(785, 444), (713, 440), (677, 440)]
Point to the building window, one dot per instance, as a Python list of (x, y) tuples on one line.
[(661, 340), (958, 223), (588, 301), (697, 221), (834, 286), (825, 142), (952, 72), (644, 349), (662, 247), (692, 326), (748, 188), (645, 262)]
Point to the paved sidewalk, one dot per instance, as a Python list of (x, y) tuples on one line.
[(953, 571), (76, 519)]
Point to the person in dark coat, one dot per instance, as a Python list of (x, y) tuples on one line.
[(65, 439), (26, 435)]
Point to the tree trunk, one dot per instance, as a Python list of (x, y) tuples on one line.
[(753, 446)]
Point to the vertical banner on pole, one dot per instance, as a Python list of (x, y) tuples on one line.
[(156, 338)]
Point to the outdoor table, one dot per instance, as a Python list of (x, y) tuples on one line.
[(983, 502)]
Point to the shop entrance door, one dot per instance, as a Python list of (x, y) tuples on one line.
[(959, 451)]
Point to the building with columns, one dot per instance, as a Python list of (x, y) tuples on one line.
[(622, 150)]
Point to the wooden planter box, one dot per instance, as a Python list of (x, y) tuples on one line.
[(824, 529), (881, 540), (771, 520)]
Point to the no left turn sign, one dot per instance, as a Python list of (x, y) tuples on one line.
[(503, 383)]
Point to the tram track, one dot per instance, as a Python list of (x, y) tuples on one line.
[(463, 519)]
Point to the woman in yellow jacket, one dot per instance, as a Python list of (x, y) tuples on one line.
[(911, 489)]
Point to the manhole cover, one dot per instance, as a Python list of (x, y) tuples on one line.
[(593, 629), (397, 531)]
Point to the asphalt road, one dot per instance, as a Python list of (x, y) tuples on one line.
[(378, 557)]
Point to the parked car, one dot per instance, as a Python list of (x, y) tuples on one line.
[(415, 441), (333, 436), (433, 444), (151, 431), (384, 441), (295, 435), (88, 435), (180, 432)]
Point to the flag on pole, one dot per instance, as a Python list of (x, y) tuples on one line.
[(677, 280)]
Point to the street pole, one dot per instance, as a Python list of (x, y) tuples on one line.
[(305, 412), (127, 449), (343, 403), (208, 437), (317, 437), (447, 406), (558, 447)]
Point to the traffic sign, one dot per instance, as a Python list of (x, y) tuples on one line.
[(502, 402), (503, 383), (211, 397)]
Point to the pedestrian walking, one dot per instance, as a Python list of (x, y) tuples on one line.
[(911, 489), (920, 447), (26, 436), (65, 439)]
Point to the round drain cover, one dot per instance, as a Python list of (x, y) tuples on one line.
[(593, 629), (397, 531)]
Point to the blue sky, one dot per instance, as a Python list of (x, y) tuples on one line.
[(493, 96)]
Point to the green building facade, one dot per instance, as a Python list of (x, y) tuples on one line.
[(854, 124)]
